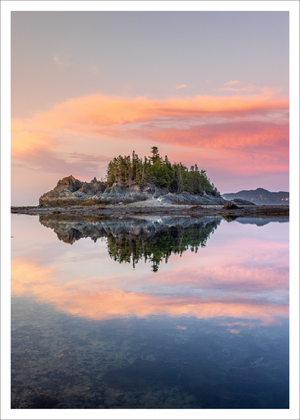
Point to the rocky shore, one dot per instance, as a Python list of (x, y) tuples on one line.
[(153, 208), (96, 199), (70, 191)]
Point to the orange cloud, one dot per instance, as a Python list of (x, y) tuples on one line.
[(249, 88), (233, 82), (181, 86), (82, 115), (251, 130), (238, 90)]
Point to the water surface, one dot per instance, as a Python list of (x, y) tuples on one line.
[(152, 312)]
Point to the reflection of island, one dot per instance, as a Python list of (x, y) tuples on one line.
[(259, 222), (131, 239)]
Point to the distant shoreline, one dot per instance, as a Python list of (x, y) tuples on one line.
[(153, 208)]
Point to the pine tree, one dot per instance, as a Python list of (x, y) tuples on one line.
[(176, 177), (155, 155), (179, 178)]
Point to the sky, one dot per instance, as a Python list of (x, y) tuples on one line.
[(210, 88)]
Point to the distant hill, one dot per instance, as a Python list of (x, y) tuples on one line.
[(260, 196)]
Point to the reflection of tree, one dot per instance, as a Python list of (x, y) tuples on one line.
[(132, 239), (174, 240)]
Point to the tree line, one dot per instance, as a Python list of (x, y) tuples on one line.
[(175, 177)]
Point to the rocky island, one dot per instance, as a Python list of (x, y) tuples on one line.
[(153, 186)]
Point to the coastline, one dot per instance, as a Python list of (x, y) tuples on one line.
[(154, 207)]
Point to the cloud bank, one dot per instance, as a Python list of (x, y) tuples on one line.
[(245, 134)]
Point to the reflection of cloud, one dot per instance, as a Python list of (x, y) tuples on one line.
[(238, 274), (97, 298), (242, 324), (28, 276), (254, 268)]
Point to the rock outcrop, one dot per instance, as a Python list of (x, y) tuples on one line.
[(70, 191), (230, 206)]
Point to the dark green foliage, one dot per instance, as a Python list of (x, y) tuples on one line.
[(175, 177), (175, 240), (160, 174), (155, 155)]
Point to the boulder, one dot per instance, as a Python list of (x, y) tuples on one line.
[(230, 206)]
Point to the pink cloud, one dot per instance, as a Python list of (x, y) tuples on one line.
[(181, 86), (243, 147), (233, 82), (238, 90), (242, 134), (98, 114)]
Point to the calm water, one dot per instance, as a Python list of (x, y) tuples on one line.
[(155, 313)]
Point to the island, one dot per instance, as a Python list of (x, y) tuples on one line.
[(151, 185)]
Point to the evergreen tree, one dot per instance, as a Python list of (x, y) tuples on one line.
[(155, 155), (176, 177), (179, 178)]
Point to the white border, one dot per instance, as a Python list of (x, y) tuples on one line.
[(6, 8), (276, 5)]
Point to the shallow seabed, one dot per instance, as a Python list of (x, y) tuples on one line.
[(202, 323)]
